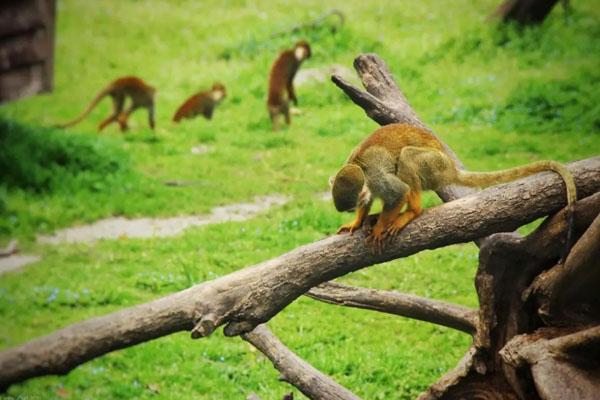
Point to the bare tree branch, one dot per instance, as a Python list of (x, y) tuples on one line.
[(406, 305), (309, 380), (253, 295)]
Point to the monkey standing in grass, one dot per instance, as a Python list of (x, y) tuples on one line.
[(396, 162), (281, 87), (140, 93), (201, 103)]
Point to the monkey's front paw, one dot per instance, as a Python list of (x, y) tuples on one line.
[(401, 222), (394, 229), (350, 227)]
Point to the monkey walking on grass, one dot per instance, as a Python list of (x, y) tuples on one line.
[(140, 93)]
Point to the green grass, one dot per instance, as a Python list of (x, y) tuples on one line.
[(499, 97)]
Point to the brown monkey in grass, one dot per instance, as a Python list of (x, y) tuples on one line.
[(140, 93), (281, 87), (201, 103), (398, 161)]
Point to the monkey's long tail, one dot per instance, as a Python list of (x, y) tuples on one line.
[(482, 179), (88, 110)]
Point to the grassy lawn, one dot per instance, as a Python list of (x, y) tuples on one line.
[(498, 97)]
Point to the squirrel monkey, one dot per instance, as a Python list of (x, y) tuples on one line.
[(398, 161), (281, 87), (201, 103), (141, 94)]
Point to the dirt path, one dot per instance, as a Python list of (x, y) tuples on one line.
[(16, 261), (120, 227)]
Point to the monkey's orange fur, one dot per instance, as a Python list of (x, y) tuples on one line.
[(140, 93), (201, 103), (281, 87), (396, 162)]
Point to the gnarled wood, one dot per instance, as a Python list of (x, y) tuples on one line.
[(507, 265), (563, 366), (567, 294), (309, 380)]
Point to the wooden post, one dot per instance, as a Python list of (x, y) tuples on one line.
[(26, 47)]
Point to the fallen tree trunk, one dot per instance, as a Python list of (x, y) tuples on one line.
[(251, 296)]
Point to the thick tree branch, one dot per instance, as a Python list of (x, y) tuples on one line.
[(294, 370), (406, 305), (253, 295)]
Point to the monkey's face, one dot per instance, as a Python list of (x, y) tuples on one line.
[(348, 189), (218, 92), (302, 50)]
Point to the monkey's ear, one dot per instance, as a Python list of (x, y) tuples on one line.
[(331, 179)]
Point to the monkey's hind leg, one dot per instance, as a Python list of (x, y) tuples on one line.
[(285, 109), (118, 103), (124, 116), (273, 114), (413, 210), (385, 220)]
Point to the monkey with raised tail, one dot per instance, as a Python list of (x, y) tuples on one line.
[(201, 103), (140, 93), (398, 161), (281, 86)]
